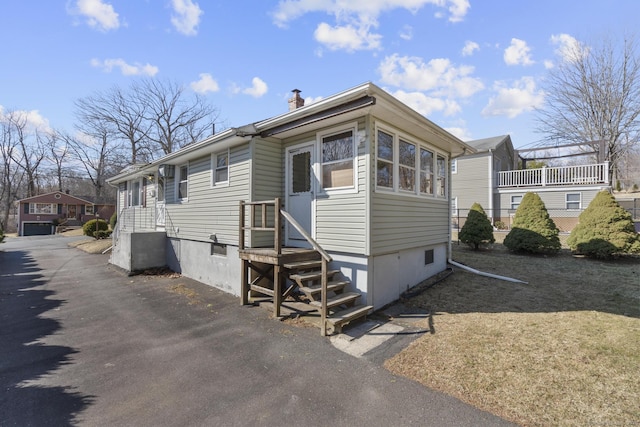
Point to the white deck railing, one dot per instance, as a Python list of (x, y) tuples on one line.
[(563, 175)]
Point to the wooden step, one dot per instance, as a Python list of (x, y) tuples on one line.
[(340, 299), (342, 317), (311, 275), (303, 265), (332, 286), (349, 314)]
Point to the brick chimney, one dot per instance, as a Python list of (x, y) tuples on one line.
[(297, 101)]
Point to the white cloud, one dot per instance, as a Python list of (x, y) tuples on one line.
[(518, 53), (548, 64), (469, 48), (427, 105), (407, 32), (460, 132), (438, 75), (206, 84), (258, 89), (99, 14), (186, 16), (312, 100), (136, 69), (568, 48), (355, 19), (515, 100), (346, 37), (32, 119)]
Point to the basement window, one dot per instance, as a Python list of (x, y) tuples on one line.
[(428, 257), (218, 249)]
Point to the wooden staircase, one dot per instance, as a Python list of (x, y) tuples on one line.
[(342, 307), (306, 269)]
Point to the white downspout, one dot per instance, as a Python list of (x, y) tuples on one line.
[(482, 273)]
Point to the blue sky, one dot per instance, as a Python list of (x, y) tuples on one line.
[(473, 67)]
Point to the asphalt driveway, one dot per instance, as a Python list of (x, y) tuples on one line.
[(83, 344)]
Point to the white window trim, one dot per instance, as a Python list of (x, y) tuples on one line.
[(86, 209), (33, 210), (178, 180), (353, 127), (214, 166), (397, 136), (511, 204), (454, 166), (566, 201)]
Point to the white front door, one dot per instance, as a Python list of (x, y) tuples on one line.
[(300, 192)]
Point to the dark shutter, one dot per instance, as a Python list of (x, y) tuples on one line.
[(26, 208), (59, 208), (81, 209)]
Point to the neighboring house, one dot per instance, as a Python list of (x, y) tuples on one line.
[(490, 176), (39, 215), (358, 179)]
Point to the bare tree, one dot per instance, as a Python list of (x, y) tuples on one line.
[(98, 152), (28, 153), (174, 118), (58, 151), (10, 174), (593, 96), (123, 114)]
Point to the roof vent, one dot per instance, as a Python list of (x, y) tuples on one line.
[(297, 101)]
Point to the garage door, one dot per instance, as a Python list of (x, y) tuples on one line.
[(37, 228)]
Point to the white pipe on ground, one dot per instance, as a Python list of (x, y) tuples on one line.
[(482, 273)]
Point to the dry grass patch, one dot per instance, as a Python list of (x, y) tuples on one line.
[(563, 349)]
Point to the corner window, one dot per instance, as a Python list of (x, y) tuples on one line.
[(385, 160), (183, 182), (88, 209), (220, 169), (338, 160), (407, 167), (573, 200), (426, 171), (442, 176), (515, 202)]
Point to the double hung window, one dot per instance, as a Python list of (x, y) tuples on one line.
[(338, 159)]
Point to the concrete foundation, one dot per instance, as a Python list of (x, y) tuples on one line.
[(139, 251)]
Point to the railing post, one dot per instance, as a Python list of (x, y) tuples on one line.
[(323, 298), (544, 176), (241, 226), (277, 233), (606, 172)]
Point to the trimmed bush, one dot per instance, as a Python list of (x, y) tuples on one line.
[(604, 229), (113, 220), (477, 228), (90, 227), (533, 230)]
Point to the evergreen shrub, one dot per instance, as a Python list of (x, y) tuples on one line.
[(477, 229), (533, 230), (90, 227), (604, 229)]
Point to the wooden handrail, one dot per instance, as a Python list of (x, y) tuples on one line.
[(306, 235)]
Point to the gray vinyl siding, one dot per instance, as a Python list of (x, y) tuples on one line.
[(267, 172), (340, 217), (210, 210), (553, 199), (401, 222), (471, 183)]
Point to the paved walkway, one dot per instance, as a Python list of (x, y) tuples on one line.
[(83, 344)]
